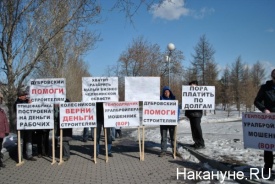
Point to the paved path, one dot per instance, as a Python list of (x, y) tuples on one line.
[(124, 167)]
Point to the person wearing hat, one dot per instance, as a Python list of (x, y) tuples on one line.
[(4, 131), (265, 102), (26, 134)]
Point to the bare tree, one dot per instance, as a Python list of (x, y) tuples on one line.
[(63, 58), (141, 58), (236, 76), (258, 73), (28, 30), (189, 75), (203, 62), (224, 89), (247, 96)]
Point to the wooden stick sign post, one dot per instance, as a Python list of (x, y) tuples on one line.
[(61, 161), (106, 145), (164, 112), (139, 144), (120, 114), (53, 147), (33, 117), (95, 142), (20, 162)]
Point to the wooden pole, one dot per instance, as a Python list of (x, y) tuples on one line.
[(139, 144), (61, 147), (95, 142), (53, 147), (106, 145), (143, 131), (20, 162)]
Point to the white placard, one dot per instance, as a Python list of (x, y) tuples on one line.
[(198, 97), (142, 88), (121, 114), (77, 114), (162, 112), (34, 116), (258, 131), (99, 89), (47, 90)]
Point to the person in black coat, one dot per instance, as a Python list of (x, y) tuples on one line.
[(195, 122), (265, 102), (67, 133), (26, 134), (100, 125)]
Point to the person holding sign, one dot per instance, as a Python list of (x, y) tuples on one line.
[(4, 131), (167, 95), (100, 124), (265, 102), (27, 134), (195, 123), (67, 134)]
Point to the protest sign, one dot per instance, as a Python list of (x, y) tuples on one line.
[(198, 97), (77, 115), (142, 88), (34, 116), (47, 90), (258, 131), (121, 114), (164, 112), (99, 89)]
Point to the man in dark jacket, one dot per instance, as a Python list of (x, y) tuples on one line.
[(67, 133), (100, 125), (265, 102), (195, 123), (27, 134)]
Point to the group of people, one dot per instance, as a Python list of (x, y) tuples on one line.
[(264, 101), (41, 137), (195, 122)]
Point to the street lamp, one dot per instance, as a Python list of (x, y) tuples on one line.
[(170, 47)]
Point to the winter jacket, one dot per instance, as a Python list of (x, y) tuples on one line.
[(193, 113), (171, 97), (265, 98), (4, 125), (99, 112)]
